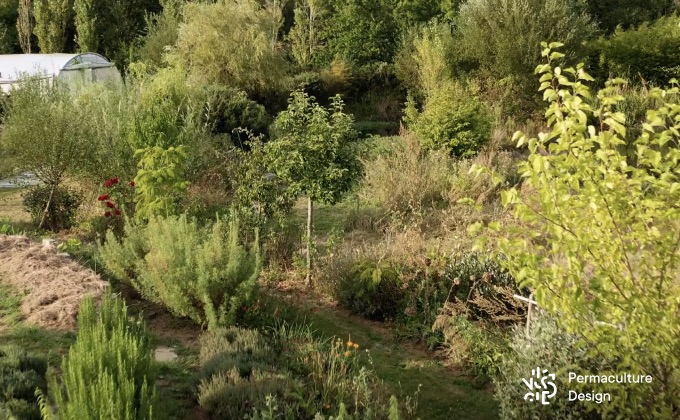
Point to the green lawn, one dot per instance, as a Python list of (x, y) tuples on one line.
[(12, 211)]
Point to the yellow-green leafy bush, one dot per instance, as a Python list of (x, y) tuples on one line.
[(598, 240)]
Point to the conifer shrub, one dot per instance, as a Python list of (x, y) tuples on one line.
[(20, 375), (203, 273), (109, 371)]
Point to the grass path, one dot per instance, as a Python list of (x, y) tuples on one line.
[(444, 393)]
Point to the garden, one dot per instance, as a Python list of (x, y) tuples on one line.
[(390, 209)]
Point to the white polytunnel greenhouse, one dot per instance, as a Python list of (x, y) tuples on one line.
[(70, 69)]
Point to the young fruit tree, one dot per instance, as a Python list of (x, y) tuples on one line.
[(313, 151), (597, 239)]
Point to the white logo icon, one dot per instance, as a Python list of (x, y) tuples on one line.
[(541, 389)]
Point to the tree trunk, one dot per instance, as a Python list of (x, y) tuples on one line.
[(47, 207), (310, 217)]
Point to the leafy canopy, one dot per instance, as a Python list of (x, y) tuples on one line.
[(312, 149), (599, 240)]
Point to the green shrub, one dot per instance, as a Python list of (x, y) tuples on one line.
[(161, 33), (549, 347), (52, 208), (334, 373), (504, 42), (161, 181), (650, 52), (109, 371), (479, 346), (20, 375), (452, 119), (254, 63), (465, 285), (228, 395), (229, 109), (237, 372), (201, 273), (628, 13), (234, 348), (371, 289)]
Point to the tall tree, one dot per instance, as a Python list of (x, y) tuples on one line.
[(111, 27), (9, 40), (86, 21), (25, 25), (312, 151), (362, 32), (51, 19), (305, 36)]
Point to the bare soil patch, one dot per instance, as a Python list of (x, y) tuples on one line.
[(54, 284)]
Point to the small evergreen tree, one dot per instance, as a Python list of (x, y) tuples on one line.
[(109, 371)]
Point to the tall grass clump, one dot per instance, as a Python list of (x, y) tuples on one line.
[(405, 179), (203, 273), (109, 370)]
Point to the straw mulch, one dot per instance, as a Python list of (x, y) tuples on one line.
[(54, 283)]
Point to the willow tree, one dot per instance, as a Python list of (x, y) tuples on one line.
[(232, 44), (51, 19), (313, 152)]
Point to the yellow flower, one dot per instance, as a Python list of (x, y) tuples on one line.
[(349, 343), (347, 354), (356, 346)]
